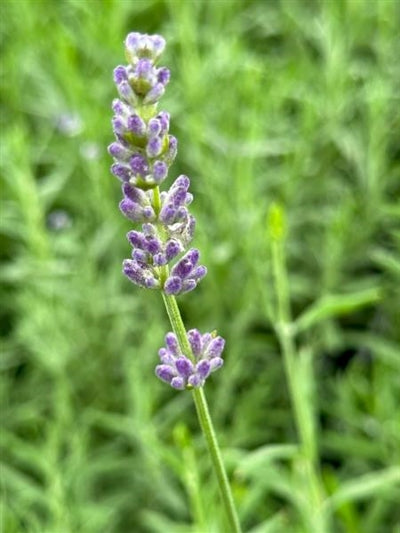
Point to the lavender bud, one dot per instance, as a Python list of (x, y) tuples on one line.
[(188, 285), (158, 45), (173, 285), (139, 256), (139, 45), (172, 343), (120, 74), (136, 125), (215, 347), (194, 338), (126, 93), (119, 125), (139, 164), (139, 274), (159, 260), (172, 150), (122, 172), (183, 268), (160, 171), (136, 239), (163, 75), (131, 210), (153, 245), (195, 381), (118, 151), (172, 249), (203, 368), (215, 363), (184, 366), (154, 94), (178, 383), (154, 127), (165, 373), (119, 107), (163, 118), (154, 146)]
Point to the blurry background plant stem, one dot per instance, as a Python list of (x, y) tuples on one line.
[(300, 381)]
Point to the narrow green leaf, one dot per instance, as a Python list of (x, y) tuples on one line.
[(335, 305)]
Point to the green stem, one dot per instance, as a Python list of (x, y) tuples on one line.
[(204, 418), (302, 406)]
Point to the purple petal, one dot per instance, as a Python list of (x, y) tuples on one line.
[(195, 381), (144, 69), (163, 117), (216, 363), (184, 366), (165, 373), (194, 338), (178, 383), (203, 368), (154, 146), (159, 260), (137, 239), (172, 249), (119, 107), (154, 94), (160, 171), (131, 210), (163, 75), (166, 357), (139, 256), (188, 285), (167, 214), (199, 272), (215, 347), (154, 127), (122, 172), (182, 268), (172, 343), (126, 93), (172, 149), (132, 41), (139, 165), (120, 74), (158, 43), (118, 151), (134, 272), (153, 245), (136, 125), (173, 285), (118, 125)]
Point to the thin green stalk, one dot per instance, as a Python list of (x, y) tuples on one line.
[(204, 418), (302, 407)]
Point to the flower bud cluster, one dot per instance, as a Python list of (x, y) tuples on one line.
[(181, 371), (143, 152)]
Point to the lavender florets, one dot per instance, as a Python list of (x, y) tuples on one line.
[(183, 371), (143, 152)]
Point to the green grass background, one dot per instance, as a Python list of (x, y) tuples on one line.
[(293, 102)]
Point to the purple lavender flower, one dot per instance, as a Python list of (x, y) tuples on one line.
[(183, 371), (186, 274), (136, 125), (143, 152)]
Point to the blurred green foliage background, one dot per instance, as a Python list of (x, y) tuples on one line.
[(294, 102)]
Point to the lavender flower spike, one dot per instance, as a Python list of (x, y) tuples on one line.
[(161, 259), (143, 152), (140, 131), (180, 371)]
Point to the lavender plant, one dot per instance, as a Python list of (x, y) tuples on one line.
[(161, 258)]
